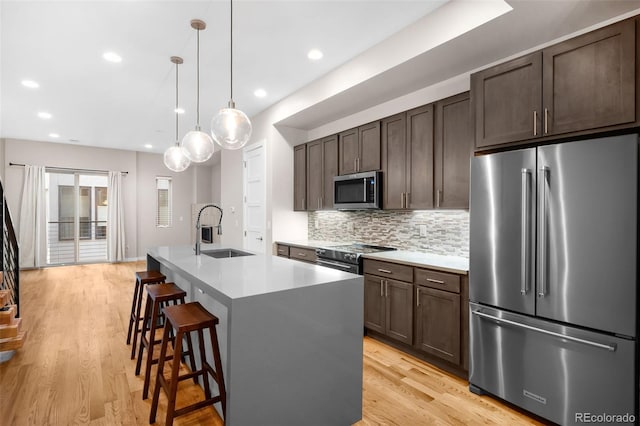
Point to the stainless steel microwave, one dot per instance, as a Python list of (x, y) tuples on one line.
[(358, 191)]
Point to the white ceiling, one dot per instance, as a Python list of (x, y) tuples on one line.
[(127, 105)]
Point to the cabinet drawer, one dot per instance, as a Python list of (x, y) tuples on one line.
[(438, 280), (388, 270), (308, 255), (282, 250)]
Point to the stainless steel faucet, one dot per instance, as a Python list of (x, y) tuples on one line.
[(198, 235)]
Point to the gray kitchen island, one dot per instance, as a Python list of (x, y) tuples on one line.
[(290, 334)]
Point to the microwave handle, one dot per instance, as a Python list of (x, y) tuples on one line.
[(364, 194)]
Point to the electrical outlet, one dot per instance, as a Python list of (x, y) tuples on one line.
[(423, 230)]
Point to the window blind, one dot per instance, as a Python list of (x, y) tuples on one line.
[(163, 202)]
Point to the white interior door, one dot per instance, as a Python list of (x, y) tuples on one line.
[(254, 198)]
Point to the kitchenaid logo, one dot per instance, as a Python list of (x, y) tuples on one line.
[(535, 397), (605, 418)]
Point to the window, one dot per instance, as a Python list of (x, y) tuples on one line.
[(100, 212), (163, 198), (66, 208)]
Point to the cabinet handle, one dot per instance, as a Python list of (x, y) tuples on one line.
[(302, 255), (438, 195), (535, 123), (402, 200), (358, 164), (321, 202), (386, 271), (546, 120), (355, 164), (201, 291), (381, 288), (386, 288), (417, 296), (406, 200), (431, 280), (318, 203), (302, 203)]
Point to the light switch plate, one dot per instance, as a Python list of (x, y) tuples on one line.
[(423, 230)]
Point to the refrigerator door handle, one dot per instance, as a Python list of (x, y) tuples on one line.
[(543, 172), (611, 347), (525, 229)]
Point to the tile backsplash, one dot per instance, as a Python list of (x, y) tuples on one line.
[(447, 232)]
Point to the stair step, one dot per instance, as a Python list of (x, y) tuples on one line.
[(13, 343), (7, 316), (10, 330), (5, 295)]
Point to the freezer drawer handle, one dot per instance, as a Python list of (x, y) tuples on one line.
[(611, 347), (525, 227)]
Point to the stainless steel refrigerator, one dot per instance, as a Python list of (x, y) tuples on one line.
[(553, 278)]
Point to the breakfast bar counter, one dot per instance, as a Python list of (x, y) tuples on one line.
[(290, 333)]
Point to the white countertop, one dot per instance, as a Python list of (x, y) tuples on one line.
[(238, 277), (457, 265)]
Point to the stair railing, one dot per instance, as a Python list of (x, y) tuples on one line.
[(10, 256)]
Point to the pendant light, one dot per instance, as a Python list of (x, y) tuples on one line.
[(231, 128), (174, 157), (198, 145)]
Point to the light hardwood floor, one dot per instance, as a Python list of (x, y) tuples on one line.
[(75, 369)]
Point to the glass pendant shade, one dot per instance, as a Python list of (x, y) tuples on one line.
[(175, 159), (198, 146), (231, 128)]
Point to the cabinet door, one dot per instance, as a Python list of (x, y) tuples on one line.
[(420, 158), (348, 147), (299, 177), (394, 158), (438, 323), (369, 138), (453, 151), (329, 170), (507, 101), (374, 303), (589, 81), (314, 174), (399, 310)]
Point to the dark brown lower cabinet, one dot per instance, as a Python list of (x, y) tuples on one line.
[(438, 323), (388, 307)]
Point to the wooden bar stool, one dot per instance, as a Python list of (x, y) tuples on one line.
[(142, 278), (157, 296), (185, 319)]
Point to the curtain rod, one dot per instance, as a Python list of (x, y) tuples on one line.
[(70, 169)]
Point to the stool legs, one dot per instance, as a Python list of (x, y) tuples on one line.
[(136, 295), (137, 321)]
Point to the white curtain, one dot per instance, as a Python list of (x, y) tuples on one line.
[(115, 219), (33, 225)]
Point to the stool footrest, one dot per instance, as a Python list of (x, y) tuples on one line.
[(197, 406)]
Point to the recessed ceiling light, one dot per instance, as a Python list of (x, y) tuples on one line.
[(260, 93), (54, 135), (30, 84), (112, 57), (148, 146), (44, 115), (179, 110), (314, 54)]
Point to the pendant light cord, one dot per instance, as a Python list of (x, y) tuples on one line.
[(198, 82), (177, 103), (231, 50)]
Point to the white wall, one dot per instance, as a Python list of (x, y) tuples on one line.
[(216, 183), (2, 144), (72, 156), (183, 186), (202, 187), (139, 186)]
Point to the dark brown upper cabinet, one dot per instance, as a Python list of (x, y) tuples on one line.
[(299, 177), (583, 85), (453, 149), (507, 100), (407, 159), (359, 149), (589, 81), (322, 166)]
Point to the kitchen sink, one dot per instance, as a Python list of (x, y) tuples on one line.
[(224, 253)]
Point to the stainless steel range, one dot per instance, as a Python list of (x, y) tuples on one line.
[(346, 257)]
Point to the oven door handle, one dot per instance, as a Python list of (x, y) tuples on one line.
[(338, 265)]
